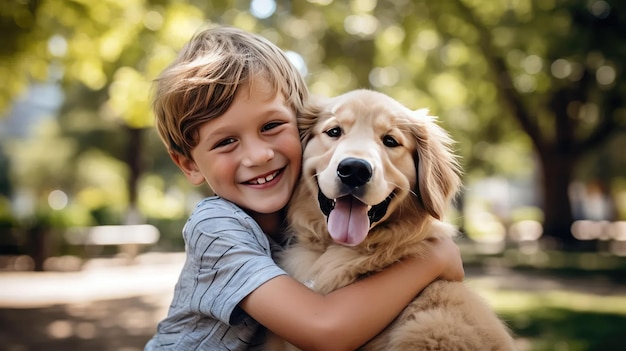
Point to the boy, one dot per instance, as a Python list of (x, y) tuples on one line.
[(226, 110)]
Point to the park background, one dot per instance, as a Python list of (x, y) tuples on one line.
[(533, 91)]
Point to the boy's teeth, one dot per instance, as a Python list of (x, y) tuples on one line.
[(266, 179)]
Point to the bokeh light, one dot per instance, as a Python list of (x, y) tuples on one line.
[(298, 61), (57, 199), (605, 75), (262, 8)]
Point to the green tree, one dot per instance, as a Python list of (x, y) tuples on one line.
[(542, 74), (504, 76), (564, 89)]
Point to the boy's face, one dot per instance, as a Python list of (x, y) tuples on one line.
[(250, 155)]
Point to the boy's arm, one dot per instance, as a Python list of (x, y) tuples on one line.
[(348, 317)]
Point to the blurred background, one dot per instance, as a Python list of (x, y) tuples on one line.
[(533, 91)]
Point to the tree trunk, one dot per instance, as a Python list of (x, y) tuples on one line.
[(39, 246), (135, 166), (557, 171)]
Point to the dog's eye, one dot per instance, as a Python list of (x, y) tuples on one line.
[(334, 132), (390, 141)]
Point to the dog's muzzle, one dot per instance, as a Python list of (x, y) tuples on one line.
[(375, 214), (354, 172)]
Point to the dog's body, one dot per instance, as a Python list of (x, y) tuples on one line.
[(383, 176)]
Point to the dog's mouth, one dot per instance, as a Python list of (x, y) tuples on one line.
[(349, 219)]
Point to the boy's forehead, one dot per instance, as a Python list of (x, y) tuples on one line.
[(260, 86)]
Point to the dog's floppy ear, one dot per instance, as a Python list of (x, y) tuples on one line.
[(307, 118), (438, 170)]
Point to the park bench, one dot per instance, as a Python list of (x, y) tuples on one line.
[(128, 238)]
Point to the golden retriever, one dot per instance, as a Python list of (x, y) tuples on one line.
[(383, 176)]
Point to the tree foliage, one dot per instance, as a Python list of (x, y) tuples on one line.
[(514, 81)]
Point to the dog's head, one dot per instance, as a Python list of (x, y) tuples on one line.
[(369, 158)]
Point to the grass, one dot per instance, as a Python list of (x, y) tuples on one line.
[(559, 320), (554, 329), (569, 315)]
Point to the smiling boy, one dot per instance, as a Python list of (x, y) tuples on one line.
[(227, 110)]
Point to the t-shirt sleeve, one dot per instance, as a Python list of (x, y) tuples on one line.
[(234, 258)]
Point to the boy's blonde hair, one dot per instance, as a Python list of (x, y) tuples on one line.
[(201, 83)]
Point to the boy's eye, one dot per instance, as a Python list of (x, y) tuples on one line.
[(224, 142), (390, 141), (270, 125), (334, 132)]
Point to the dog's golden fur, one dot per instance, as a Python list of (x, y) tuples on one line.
[(410, 158)]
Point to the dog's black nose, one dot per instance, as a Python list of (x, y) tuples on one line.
[(354, 172)]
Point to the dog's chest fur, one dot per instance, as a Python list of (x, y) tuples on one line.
[(326, 266)]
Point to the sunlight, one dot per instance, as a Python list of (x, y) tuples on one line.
[(525, 83), (561, 68), (602, 230), (262, 8), (297, 60), (153, 20), (518, 301), (532, 64), (90, 73), (363, 25), (57, 45), (455, 53), (391, 36), (321, 2), (600, 9), (526, 230), (428, 39), (384, 76), (362, 5), (605, 75), (85, 330), (60, 329), (57, 199), (448, 87)]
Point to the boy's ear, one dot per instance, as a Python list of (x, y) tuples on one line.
[(189, 168)]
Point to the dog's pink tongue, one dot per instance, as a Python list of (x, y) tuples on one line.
[(348, 223)]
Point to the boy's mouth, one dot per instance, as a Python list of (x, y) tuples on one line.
[(264, 179)]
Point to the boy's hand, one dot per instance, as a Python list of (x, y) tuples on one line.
[(448, 255)]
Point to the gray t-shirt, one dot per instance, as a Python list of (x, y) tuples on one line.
[(228, 257)]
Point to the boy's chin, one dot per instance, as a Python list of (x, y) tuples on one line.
[(268, 206), (268, 209)]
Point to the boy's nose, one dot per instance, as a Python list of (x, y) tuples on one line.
[(257, 153)]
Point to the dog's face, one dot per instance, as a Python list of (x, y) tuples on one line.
[(366, 157)]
